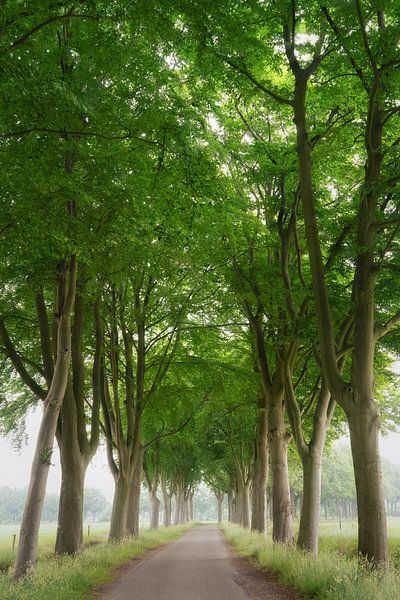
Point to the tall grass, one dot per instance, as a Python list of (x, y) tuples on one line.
[(47, 538), (329, 577), (73, 578), (344, 541)]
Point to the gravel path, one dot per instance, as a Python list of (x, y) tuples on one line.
[(199, 566)]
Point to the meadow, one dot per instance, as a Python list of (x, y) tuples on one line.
[(66, 577), (98, 532), (336, 574)]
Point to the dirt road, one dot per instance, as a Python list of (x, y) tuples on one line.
[(199, 566)]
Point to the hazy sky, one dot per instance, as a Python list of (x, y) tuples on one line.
[(15, 467)]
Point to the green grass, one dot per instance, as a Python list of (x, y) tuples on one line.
[(47, 537), (73, 578), (329, 577), (344, 541)]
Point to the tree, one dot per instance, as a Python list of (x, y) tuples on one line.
[(27, 547), (94, 504)]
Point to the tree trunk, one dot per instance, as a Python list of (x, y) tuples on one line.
[(76, 450), (191, 517), (133, 518), (29, 532), (310, 509), (246, 504), (357, 398), (278, 440), (230, 507), (119, 515), (167, 502), (220, 498), (282, 530), (185, 511), (155, 510), (167, 516), (339, 512), (364, 437), (237, 507), (311, 458), (293, 501), (179, 507), (177, 511), (132, 522), (260, 472), (270, 508), (69, 538), (243, 505)]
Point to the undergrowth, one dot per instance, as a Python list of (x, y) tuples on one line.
[(329, 577)]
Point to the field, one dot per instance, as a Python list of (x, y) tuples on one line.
[(98, 532), (67, 578), (336, 574), (332, 538), (344, 541)]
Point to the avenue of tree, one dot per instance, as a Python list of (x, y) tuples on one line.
[(199, 260)]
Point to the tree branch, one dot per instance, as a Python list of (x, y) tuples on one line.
[(18, 364)]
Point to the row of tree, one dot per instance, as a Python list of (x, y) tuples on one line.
[(338, 492), (12, 500), (199, 243)]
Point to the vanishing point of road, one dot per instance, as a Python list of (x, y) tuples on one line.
[(198, 566)]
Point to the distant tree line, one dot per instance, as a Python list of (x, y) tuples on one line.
[(12, 500), (338, 492)]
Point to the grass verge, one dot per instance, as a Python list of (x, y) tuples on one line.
[(329, 577), (47, 538), (74, 577)]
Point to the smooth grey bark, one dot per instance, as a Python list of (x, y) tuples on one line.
[(76, 449), (273, 388), (246, 504), (220, 498), (311, 458), (155, 510), (126, 443), (183, 501), (235, 506), (278, 441), (167, 503), (69, 538), (260, 470), (132, 522), (364, 428), (190, 507), (230, 506), (123, 478), (242, 508), (152, 479), (310, 508), (179, 512), (119, 514), (28, 541)]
